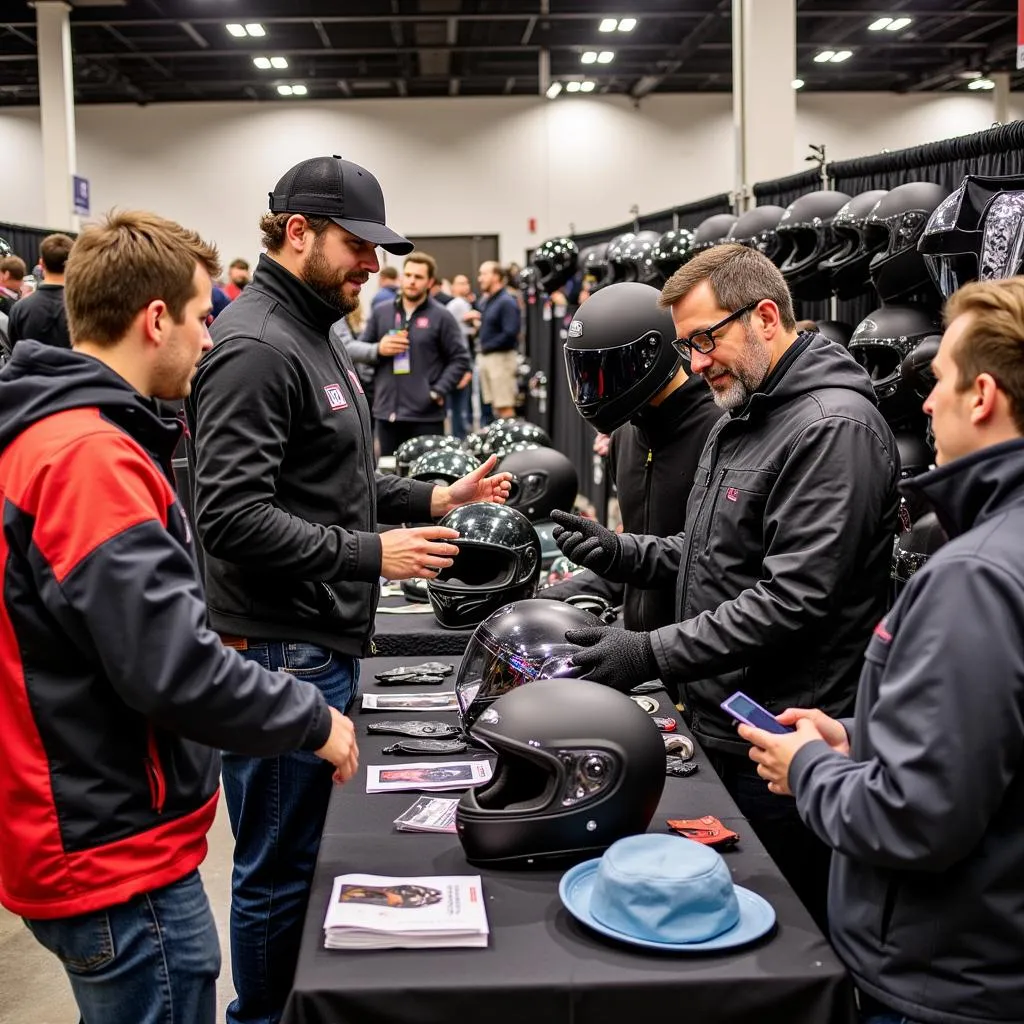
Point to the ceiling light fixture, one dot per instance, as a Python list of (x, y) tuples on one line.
[(572, 86), (605, 57), (969, 74), (589, 57), (263, 63), (299, 90), (279, 62), (981, 83), (840, 55), (898, 24), (627, 24), (284, 90), (238, 31), (825, 55), (877, 26), (553, 90), (798, 83), (255, 29), (608, 25), (586, 86)]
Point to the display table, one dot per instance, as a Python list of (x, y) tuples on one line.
[(540, 965), (414, 633)]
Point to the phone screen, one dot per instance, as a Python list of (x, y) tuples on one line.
[(753, 714)]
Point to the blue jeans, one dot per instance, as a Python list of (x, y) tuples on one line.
[(460, 411), (151, 960), (885, 1018), (277, 807)]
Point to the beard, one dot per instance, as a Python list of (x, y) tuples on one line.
[(328, 282), (748, 374)]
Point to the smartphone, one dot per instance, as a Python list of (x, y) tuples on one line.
[(742, 708)]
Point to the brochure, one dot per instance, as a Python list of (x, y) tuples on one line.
[(387, 778), (428, 814), (433, 702)]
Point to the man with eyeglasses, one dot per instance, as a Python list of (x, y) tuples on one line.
[(782, 570)]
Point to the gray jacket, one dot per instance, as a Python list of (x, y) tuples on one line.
[(783, 568), (927, 815)]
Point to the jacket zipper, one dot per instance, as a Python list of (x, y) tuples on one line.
[(155, 772)]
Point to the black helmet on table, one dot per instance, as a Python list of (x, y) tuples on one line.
[(578, 766), (498, 562), (880, 343), (847, 267), (806, 238), (409, 451), (503, 435), (711, 231), (619, 354), (543, 479), (633, 260), (555, 262), (893, 229), (443, 466), (975, 234), (756, 230), (674, 248)]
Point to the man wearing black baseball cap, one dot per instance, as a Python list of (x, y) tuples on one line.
[(287, 504)]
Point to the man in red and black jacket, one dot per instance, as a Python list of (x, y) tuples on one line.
[(113, 689)]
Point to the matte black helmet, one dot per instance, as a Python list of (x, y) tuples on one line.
[(619, 354), (633, 260), (512, 647), (893, 229), (409, 451), (976, 234), (756, 230), (711, 231), (596, 271), (916, 456), (504, 435), (578, 766), (498, 562), (806, 239), (672, 251), (443, 466), (543, 479), (836, 330), (916, 369), (848, 266), (880, 343), (555, 261)]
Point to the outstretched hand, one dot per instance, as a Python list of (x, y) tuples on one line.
[(475, 486)]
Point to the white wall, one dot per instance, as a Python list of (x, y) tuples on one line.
[(451, 166)]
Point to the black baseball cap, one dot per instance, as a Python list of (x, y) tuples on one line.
[(327, 186)]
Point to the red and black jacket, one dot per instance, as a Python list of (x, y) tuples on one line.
[(113, 689)]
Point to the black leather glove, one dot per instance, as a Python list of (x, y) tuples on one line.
[(586, 542), (614, 657)]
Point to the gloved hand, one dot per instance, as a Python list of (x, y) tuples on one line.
[(587, 543), (614, 657)]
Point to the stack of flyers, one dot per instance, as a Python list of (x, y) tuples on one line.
[(410, 701), (428, 814), (381, 912), (381, 778)]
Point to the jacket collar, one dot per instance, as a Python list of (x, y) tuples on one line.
[(970, 490), (657, 424), (295, 295)]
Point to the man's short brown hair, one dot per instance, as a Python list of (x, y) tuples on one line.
[(738, 276), (239, 265), (273, 226), (426, 259), (15, 266), (54, 251), (388, 273), (121, 265), (993, 341)]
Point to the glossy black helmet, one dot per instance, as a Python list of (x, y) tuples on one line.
[(443, 466), (913, 548), (916, 369), (806, 238), (619, 354), (975, 234), (5, 249), (674, 248), (498, 562), (711, 231), (848, 266), (504, 435), (555, 261), (409, 451), (880, 343), (634, 259), (594, 263), (893, 229), (543, 479), (836, 330), (578, 766), (756, 230), (916, 456)]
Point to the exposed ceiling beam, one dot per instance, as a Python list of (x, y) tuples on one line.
[(196, 38), (322, 33), (135, 51)]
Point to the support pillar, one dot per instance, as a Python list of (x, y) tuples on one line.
[(1001, 97)]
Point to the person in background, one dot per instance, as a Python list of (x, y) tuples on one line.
[(498, 321), (116, 692), (41, 316), (387, 291), (921, 794), (441, 291), (460, 400), (238, 278), (12, 274)]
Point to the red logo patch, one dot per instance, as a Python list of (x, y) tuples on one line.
[(732, 494), (335, 396), (356, 382), (882, 633), (422, 321)]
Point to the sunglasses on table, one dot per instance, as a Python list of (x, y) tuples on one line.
[(704, 341)]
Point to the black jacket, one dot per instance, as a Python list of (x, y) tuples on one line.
[(783, 569), (438, 357), (652, 461), (500, 322), (115, 689), (40, 316), (927, 814), (286, 496)]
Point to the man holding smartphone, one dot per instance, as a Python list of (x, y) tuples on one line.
[(921, 794)]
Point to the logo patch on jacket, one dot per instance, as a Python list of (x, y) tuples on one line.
[(335, 396), (732, 494), (356, 382), (882, 633), (422, 321)]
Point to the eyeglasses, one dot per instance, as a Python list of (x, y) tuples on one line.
[(704, 341)]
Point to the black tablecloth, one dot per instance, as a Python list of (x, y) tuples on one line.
[(540, 965), (414, 636)]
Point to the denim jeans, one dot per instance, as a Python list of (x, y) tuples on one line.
[(277, 807), (460, 411), (885, 1018), (151, 960)]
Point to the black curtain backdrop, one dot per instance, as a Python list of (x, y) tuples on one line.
[(24, 240), (692, 214), (782, 191)]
